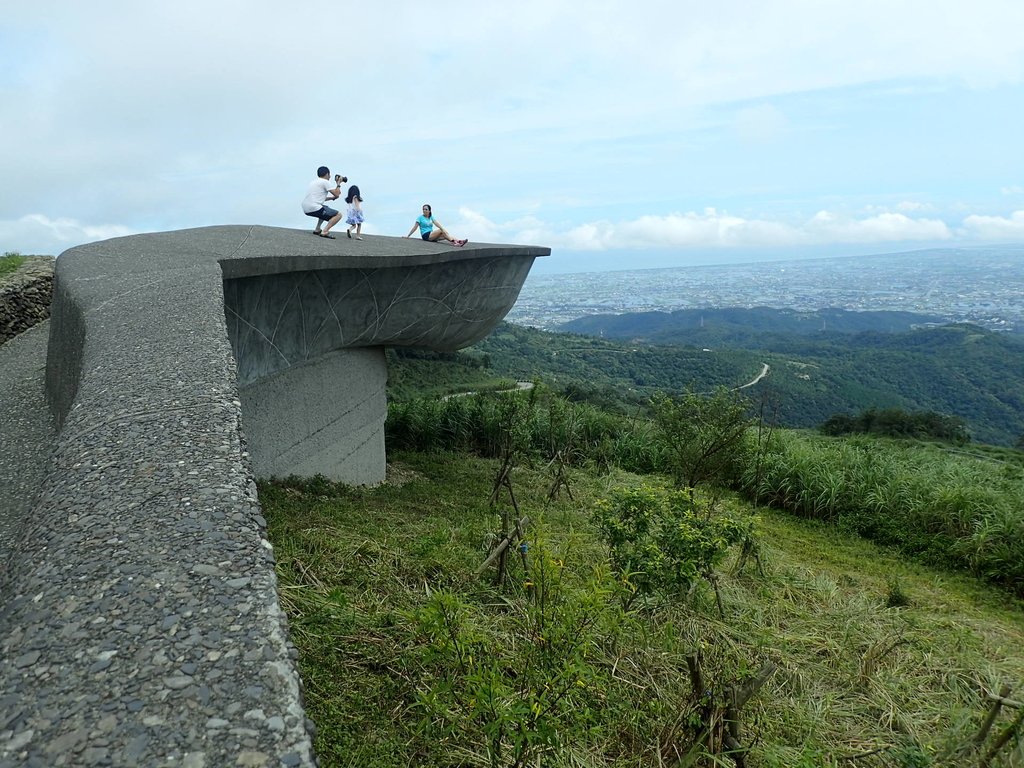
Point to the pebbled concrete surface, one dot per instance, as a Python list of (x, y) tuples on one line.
[(139, 622), (26, 432)]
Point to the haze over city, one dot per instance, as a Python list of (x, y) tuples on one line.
[(622, 135)]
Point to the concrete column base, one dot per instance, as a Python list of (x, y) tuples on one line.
[(324, 416)]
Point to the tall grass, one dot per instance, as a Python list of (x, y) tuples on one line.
[(949, 509), (548, 425), (10, 261), (859, 682)]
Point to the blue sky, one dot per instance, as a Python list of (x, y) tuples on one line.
[(620, 134)]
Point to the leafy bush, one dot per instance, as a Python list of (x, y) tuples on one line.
[(661, 542), (893, 422), (521, 691)]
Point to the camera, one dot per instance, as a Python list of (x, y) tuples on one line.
[(340, 179)]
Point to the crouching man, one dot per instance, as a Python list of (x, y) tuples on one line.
[(314, 203)]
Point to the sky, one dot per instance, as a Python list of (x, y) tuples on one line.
[(620, 134)]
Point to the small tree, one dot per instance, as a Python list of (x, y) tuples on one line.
[(703, 436), (661, 542)]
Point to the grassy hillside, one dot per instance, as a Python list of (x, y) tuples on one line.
[(422, 373), (643, 625), (411, 658), (833, 361), (624, 373), (10, 262)]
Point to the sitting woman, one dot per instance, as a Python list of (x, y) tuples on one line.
[(431, 229)]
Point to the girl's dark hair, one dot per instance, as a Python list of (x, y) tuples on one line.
[(429, 209), (353, 192)]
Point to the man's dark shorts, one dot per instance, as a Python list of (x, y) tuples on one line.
[(324, 214)]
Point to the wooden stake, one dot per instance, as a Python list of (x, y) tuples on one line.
[(504, 544), (993, 713), (1002, 740)]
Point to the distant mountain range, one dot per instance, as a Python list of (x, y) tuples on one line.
[(740, 326)]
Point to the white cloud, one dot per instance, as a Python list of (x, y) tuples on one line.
[(995, 227), (883, 228), (44, 235), (912, 206), (709, 229), (478, 228), (1012, 190), (190, 113)]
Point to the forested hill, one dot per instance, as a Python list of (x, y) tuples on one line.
[(957, 370), (743, 327)]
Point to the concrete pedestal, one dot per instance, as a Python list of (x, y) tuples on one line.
[(322, 417)]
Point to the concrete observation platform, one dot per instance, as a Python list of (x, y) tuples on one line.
[(139, 622)]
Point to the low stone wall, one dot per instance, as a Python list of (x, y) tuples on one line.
[(25, 296)]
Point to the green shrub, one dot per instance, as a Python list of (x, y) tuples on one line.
[(893, 422), (520, 684), (10, 261), (661, 542), (545, 425), (703, 436)]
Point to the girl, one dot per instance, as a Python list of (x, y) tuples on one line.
[(354, 215)]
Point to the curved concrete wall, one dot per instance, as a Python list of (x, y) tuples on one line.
[(280, 319), (139, 622)]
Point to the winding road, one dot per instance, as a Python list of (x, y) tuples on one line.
[(764, 372)]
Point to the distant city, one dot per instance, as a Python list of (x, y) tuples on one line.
[(984, 286)]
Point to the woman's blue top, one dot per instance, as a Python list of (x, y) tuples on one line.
[(425, 224)]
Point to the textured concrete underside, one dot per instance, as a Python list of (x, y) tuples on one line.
[(139, 621)]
